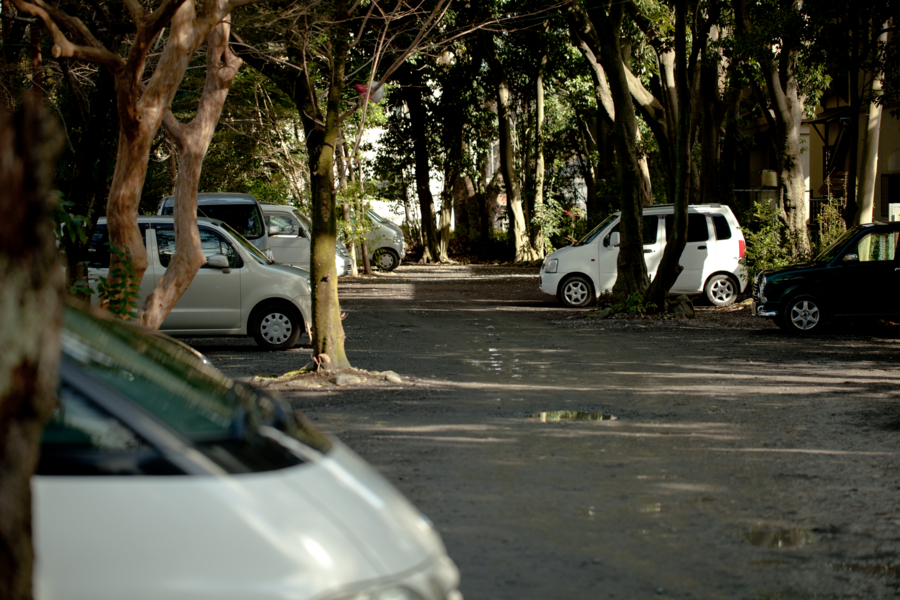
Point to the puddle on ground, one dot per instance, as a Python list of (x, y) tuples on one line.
[(557, 416), (778, 538), (884, 570)]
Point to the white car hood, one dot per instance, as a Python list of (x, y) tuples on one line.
[(293, 533)]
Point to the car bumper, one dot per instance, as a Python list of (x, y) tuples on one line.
[(549, 282), (757, 310)]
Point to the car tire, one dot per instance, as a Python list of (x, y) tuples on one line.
[(385, 259), (276, 326), (576, 291), (803, 315), (721, 290)]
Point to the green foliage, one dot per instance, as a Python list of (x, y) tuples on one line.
[(635, 303), (67, 224), (121, 297), (831, 222), (356, 195), (765, 238)]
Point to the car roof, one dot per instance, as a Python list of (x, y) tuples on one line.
[(166, 219), (272, 206), (217, 198)]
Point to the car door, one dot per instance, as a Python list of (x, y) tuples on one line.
[(866, 279), (694, 255), (213, 300), (98, 263), (653, 249), (291, 246)]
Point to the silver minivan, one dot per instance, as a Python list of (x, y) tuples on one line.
[(241, 211), (239, 291), (290, 236), (385, 243)]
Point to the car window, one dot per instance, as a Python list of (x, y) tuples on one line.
[(835, 247), (698, 231), (193, 399), (878, 246), (304, 220), (252, 250), (650, 230), (289, 227), (210, 242), (593, 233), (245, 218), (98, 250), (723, 229), (83, 439)]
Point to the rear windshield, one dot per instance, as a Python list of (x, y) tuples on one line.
[(245, 218)]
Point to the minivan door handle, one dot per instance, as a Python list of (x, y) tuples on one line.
[(701, 247), (651, 252)]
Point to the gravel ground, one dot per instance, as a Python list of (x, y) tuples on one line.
[(564, 456)]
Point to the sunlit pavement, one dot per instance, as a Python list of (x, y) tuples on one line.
[(740, 463)]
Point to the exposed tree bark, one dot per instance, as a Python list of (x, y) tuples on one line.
[(669, 267), (632, 270), (518, 232), (787, 104), (872, 133), (141, 106), (192, 141), (30, 319), (537, 234), (412, 94)]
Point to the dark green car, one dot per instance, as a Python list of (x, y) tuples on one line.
[(856, 276)]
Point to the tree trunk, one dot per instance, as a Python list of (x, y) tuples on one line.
[(192, 141), (669, 267), (632, 270), (537, 232), (30, 319), (866, 200), (412, 94), (328, 331), (518, 232)]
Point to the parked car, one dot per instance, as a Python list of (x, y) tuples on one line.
[(579, 273), (856, 276), (385, 243), (161, 478), (291, 242), (239, 291), (241, 211)]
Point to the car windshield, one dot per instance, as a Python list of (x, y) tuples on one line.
[(590, 237), (249, 247), (304, 220), (176, 387), (376, 216), (835, 247), (245, 218)]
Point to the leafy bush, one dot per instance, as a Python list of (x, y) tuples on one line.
[(121, 298), (766, 238)]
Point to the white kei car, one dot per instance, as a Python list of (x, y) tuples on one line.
[(161, 479), (712, 257), (239, 291)]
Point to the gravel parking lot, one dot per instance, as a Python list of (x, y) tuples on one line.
[(562, 456)]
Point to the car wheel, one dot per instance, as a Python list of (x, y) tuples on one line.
[(802, 314), (721, 290), (276, 327), (576, 291), (385, 259)]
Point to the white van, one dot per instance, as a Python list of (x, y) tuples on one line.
[(292, 243), (239, 291), (385, 243), (579, 273)]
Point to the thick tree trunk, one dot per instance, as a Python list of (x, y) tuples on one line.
[(866, 200), (537, 232), (632, 270), (518, 231), (413, 96), (30, 319), (192, 141), (328, 331)]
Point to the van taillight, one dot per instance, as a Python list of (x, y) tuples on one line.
[(741, 248)]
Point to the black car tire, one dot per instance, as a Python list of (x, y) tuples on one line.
[(803, 315), (721, 290), (576, 291), (276, 326), (385, 259)]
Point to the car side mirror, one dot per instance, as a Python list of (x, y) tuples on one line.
[(219, 261), (614, 239), (274, 229), (851, 258)]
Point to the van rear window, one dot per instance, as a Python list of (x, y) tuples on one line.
[(723, 229), (244, 218)]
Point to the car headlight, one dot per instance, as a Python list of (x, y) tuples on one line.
[(550, 265), (398, 238)]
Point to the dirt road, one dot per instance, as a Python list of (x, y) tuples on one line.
[(724, 459)]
